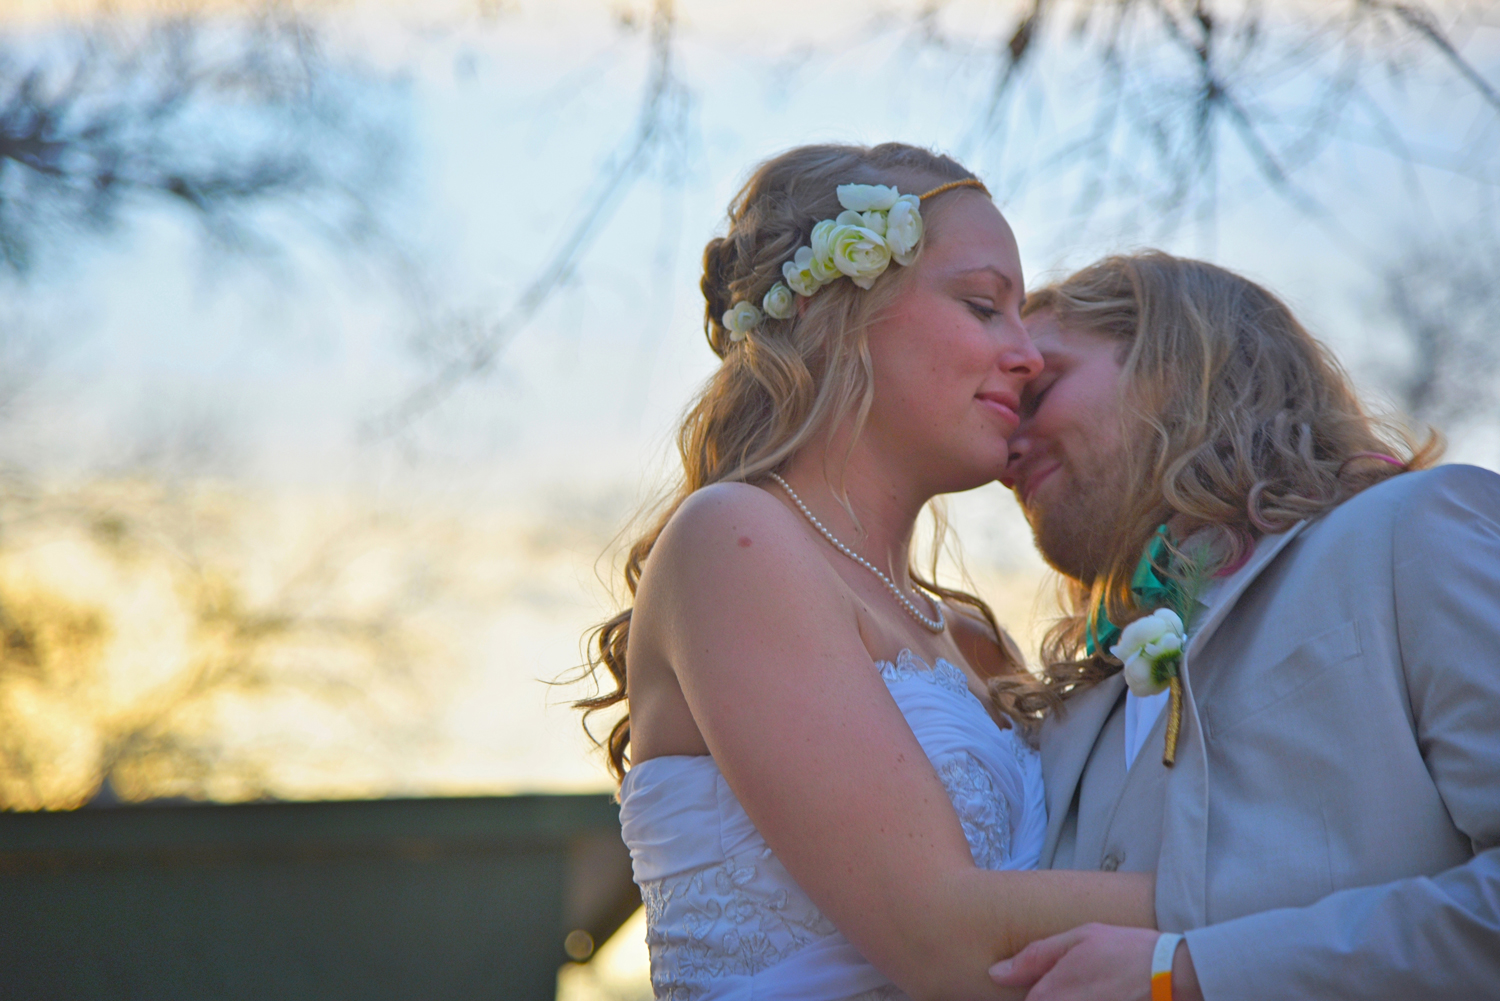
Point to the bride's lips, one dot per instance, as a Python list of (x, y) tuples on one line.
[(1007, 405)]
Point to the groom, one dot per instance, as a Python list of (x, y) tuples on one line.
[(1330, 826)]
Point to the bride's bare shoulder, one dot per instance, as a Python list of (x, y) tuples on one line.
[(737, 583), (732, 528), (720, 508)]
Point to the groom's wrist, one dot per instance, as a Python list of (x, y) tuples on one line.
[(1184, 975)]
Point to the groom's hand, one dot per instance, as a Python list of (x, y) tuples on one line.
[(1095, 963)]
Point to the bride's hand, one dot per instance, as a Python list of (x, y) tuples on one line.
[(1094, 963)]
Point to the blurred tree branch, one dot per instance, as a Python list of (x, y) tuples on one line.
[(1443, 297), (660, 121), (220, 120), (1177, 80), (1183, 86), (1168, 95)]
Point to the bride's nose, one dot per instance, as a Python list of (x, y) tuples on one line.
[(1021, 357)]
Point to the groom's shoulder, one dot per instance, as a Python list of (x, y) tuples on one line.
[(1411, 498)]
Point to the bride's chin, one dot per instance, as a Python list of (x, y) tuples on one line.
[(949, 467), (973, 479)]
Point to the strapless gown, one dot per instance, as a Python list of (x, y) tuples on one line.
[(725, 922)]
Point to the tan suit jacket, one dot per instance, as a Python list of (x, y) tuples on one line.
[(1330, 829)]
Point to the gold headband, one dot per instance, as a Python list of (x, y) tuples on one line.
[(968, 182)]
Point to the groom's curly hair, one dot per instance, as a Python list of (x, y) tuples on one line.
[(1238, 419), (792, 380)]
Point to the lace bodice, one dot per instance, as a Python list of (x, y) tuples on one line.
[(726, 921)]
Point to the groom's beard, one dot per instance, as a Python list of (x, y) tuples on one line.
[(1075, 529)]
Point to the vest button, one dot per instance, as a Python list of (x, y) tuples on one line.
[(1111, 863)]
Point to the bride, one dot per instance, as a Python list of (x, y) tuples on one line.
[(820, 800)]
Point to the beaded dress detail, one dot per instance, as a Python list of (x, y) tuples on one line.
[(725, 920)]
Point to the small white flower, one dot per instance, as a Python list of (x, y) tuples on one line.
[(1151, 648), (740, 319), (903, 229), (864, 197), (1147, 629), (821, 265), (798, 273), (778, 302), (859, 253)]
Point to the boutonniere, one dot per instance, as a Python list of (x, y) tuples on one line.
[(1151, 647), (1151, 650)]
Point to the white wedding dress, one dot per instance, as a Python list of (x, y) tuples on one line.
[(725, 922)]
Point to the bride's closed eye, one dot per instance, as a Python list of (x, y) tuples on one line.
[(981, 309)]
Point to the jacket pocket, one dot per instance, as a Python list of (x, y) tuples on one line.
[(1308, 661)]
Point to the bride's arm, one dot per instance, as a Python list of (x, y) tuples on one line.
[(765, 646)]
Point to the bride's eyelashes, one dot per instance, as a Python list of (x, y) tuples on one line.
[(981, 310)]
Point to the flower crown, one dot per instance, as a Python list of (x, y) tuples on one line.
[(878, 225)]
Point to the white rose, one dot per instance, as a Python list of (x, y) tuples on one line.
[(798, 273), (1140, 676), (740, 319), (1150, 648), (903, 229), (822, 266), (778, 302), (874, 220), (859, 253), (864, 197)]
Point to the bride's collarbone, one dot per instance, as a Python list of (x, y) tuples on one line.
[(887, 638), (885, 635)]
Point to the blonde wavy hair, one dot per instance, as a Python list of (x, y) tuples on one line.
[(791, 381), (1240, 422)]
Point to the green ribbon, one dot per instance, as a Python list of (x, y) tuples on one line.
[(1150, 591)]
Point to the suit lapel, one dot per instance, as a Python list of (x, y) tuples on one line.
[(1066, 745), (1182, 872), (1241, 579)]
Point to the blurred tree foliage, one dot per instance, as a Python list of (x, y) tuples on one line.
[(134, 625), (240, 120)]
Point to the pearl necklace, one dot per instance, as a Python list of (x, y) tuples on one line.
[(936, 625)]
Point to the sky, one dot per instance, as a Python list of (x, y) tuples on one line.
[(507, 119), (264, 374)]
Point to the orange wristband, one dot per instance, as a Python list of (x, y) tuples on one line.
[(1161, 966)]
